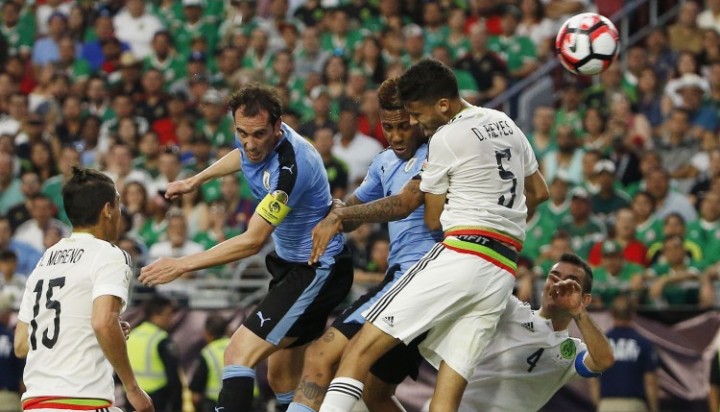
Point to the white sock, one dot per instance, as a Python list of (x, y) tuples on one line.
[(342, 395)]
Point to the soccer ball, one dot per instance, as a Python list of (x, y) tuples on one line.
[(587, 44)]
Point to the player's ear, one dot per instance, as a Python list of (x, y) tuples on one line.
[(107, 211), (443, 105), (586, 298)]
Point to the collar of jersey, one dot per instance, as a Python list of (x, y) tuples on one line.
[(81, 234), (457, 116)]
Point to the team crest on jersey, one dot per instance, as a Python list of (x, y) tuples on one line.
[(266, 180), (409, 165), (567, 349)]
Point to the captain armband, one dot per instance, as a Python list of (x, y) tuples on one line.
[(582, 369), (274, 208)]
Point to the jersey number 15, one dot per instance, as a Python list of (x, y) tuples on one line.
[(47, 341)]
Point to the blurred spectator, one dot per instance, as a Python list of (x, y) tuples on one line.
[(369, 60), (677, 148), (569, 113), (46, 10), (47, 49), (334, 77), (120, 168), (623, 121), (596, 136), (310, 13), (631, 384), (32, 231), (674, 226), (467, 86), (52, 187), (705, 181), (12, 284), (70, 63), (623, 230), (258, 57), (369, 120), (457, 41), (309, 57), (705, 231), (165, 58), (340, 39), (215, 123), (649, 98), (583, 228), (19, 37), (169, 169), (588, 177), (538, 234), (352, 147), (685, 35), (710, 17), (414, 45), (608, 199), (28, 256), (126, 80), (123, 107), (374, 271), (335, 168), (537, 27), (488, 69), (10, 187), (636, 62), (30, 187), (686, 64), (177, 243), (566, 158), (195, 25), (136, 26), (154, 228), (207, 379), (166, 127), (558, 206), (560, 243), (518, 51), (94, 51), (660, 57), (239, 202), (358, 242), (149, 154), (11, 122), (152, 107), (599, 95), (711, 50), (540, 137), (98, 102), (649, 161), (649, 227), (11, 368), (703, 117), (89, 141), (217, 231), (68, 129), (676, 279), (201, 152), (615, 275), (134, 199), (283, 75), (658, 185), (228, 63)]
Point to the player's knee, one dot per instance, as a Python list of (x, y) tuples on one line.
[(281, 380), (318, 359)]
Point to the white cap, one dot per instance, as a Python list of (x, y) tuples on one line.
[(199, 3), (604, 166)]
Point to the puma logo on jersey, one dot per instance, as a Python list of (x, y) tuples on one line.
[(262, 319), (529, 326), (288, 168), (390, 320)]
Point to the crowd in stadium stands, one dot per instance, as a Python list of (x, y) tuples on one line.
[(139, 90)]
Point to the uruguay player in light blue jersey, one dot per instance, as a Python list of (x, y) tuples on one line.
[(287, 174), (391, 172)]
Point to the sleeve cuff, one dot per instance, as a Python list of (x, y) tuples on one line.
[(582, 369)]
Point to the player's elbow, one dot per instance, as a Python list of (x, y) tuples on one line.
[(433, 223), (102, 325)]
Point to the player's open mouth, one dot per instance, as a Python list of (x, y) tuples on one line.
[(399, 150)]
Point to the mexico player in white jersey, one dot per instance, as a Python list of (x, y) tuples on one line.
[(480, 178), (69, 327), (532, 355)]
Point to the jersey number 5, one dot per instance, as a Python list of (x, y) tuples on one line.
[(506, 175), (49, 304)]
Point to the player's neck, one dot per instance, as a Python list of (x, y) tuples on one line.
[(96, 231), (559, 321), (457, 106)]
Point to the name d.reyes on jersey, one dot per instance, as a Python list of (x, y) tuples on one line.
[(493, 130)]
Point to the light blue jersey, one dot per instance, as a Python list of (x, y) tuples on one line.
[(410, 239), (295, 178)]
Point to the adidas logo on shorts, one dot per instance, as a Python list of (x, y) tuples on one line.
[(390, 320), (529, 326)]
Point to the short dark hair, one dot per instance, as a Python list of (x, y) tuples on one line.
[(8, 255), (388, 95), (648, 195), (622, 307), (156, 305), (85, 195), (256, 98), (428, 81), (576, 260), (215, 325)]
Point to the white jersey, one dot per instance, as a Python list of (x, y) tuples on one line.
[(525, 363), (480, 159), (64, 357)]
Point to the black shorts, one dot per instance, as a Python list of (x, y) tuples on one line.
[(402, 360), (300, 299)]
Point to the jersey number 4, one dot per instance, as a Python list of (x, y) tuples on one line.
[(533, 359), (49, 304), (506, 175)]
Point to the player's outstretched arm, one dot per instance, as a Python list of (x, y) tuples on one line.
[(230, 163), (250, 242), (21, 340), (536, 190), (383, 210), (106, 324), (569, 293)]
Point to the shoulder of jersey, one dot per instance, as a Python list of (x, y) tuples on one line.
[(112, 251)]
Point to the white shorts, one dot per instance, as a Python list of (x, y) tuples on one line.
[(457, 297)]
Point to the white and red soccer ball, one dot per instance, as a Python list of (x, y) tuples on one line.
[(587, 44)]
